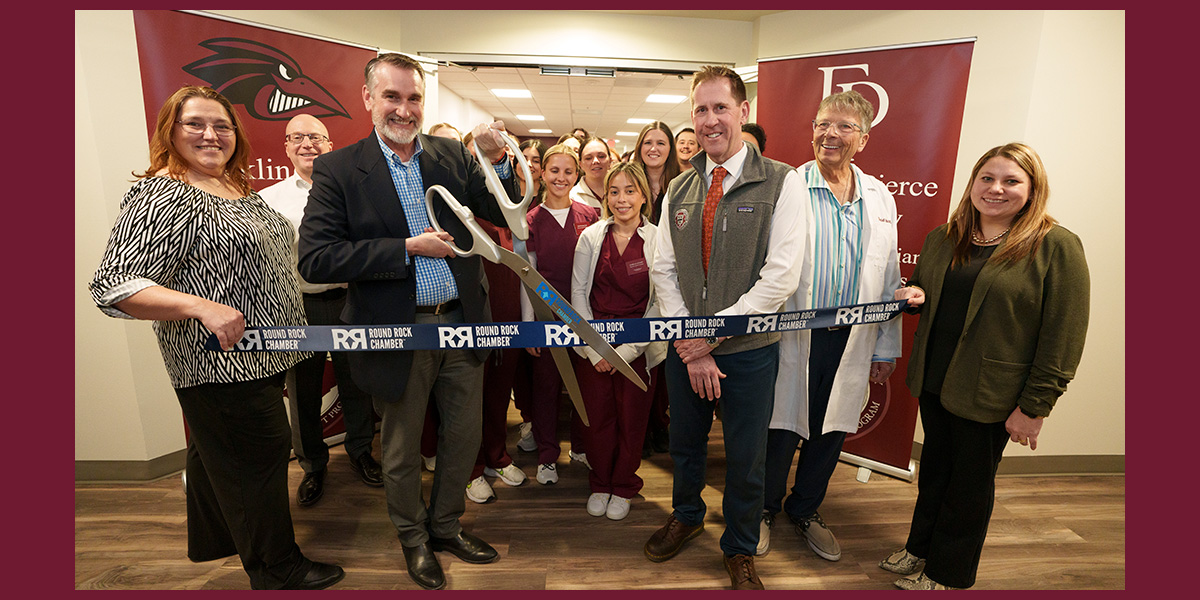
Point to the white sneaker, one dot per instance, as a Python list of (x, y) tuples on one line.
[(511, 475), (764, 534), (430, 462), (580, 457), (480, 491), (597, 504), (527, 443), (618, 508), (547, 474)]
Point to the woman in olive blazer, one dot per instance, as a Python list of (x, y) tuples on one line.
[(1003, 294)]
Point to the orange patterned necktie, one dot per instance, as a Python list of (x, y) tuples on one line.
[(715, 191)]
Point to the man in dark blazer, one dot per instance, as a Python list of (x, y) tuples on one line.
[(366, 224)]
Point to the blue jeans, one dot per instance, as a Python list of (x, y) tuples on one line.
[(747, 397)]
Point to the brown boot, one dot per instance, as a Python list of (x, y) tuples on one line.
[(741, 572), (667, 541)]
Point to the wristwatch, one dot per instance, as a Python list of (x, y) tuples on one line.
[(712, 342)]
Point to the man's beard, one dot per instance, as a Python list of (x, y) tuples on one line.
[(397, 138)]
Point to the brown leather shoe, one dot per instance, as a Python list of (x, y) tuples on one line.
[(669, 540), (741, 572)]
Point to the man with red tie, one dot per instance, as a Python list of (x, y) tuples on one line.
[(730, 242)]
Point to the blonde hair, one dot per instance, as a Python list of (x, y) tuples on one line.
[(557, 150), (1031, 223), (636, 175)]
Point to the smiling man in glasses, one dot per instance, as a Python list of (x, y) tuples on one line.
[(305, 139)]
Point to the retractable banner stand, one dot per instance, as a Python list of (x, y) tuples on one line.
[(269, 76), (918, 92)]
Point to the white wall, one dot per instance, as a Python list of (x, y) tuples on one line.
[(125, 408), (1054, 79), (463, 114)]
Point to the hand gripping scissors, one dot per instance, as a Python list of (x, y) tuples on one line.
[(548, 304)]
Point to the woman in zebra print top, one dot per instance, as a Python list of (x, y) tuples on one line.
[(196, 250)]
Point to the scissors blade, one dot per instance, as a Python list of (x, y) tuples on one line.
[(543, 292), (562, 360)]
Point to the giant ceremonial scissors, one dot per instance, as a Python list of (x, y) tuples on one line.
[(548, 304)]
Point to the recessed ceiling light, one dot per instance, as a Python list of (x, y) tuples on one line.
[(637, 121), (531, 117), (540, 131), (512, 93), (665, 98), (627, 133)]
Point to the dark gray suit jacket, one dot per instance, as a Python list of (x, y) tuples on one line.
[(354, 230)]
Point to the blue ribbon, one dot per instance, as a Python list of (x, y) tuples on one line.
[(543, 334)]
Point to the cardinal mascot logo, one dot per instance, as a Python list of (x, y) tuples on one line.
[(268, 82)]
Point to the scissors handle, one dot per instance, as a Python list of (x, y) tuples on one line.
[(514, 214), (481, 245)]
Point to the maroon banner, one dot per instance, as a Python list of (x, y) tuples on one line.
[(269, 77), (918, 93)]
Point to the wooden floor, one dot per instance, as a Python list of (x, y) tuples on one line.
[(1046, 533)]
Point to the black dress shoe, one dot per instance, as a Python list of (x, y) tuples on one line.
[(368, 469), (467, 547), (319, 576), (423, 566), (311, 488)]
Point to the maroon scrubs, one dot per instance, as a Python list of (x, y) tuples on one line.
[(617, 409), (554, 246)]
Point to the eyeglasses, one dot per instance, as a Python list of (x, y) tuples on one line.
[(843, 127), (198, 128), (298, 138)]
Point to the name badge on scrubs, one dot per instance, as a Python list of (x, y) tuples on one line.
[(634, 267)]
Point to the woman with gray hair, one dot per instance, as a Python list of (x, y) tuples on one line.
[(824, 373)]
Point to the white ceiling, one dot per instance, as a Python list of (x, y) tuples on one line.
[(601, 105)]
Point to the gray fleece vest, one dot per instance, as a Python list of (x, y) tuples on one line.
[(741, 229)]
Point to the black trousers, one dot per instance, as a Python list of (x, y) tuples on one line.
[(956, 489), (818, 455), (237, 494), (304, 383)]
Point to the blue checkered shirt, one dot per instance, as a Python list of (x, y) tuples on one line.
[(435, 281)]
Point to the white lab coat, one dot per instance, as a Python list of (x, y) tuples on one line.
[(587, 254), (880, 278)]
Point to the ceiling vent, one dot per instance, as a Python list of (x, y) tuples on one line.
[(578, 71)]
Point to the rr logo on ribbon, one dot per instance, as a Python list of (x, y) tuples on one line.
[(761, 324), (349, 339), (560, 335), (250, 341), (665, 331), (849, 316), (455, 337)]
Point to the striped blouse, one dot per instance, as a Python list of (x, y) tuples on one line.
[(838, 246), (235, 252)]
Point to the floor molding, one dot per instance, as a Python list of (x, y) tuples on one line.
[(130, 470), (1082, 464), (1063, 464)]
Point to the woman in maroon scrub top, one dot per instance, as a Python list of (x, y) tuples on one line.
[(554, 226), (611, 280)]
